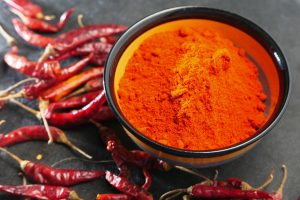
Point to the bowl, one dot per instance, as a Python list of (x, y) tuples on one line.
[(260, 48)]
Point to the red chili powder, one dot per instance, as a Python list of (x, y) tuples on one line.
[(192, 89)]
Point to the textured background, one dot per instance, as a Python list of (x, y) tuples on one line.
[(279, 18)]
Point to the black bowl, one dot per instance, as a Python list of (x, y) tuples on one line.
[(261, 48)]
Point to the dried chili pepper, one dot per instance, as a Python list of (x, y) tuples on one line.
[(29, 36), (113, 197), (72, 39), (127, 187), (34, 90), (40, 25), (44, 174), (99, 59), (220, 192), (73, 102), (26, 7), (76, 117), (37, 132), (97, 48), (69, 40), (104, 114), (92, 85), (134, 158), (64, 88), (43, 70), (43, 192)]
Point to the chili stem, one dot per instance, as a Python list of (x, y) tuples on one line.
[(280, 189), (2, 122), (9, 39), (79, 20), (9, 89), (49, 17), (12, 96), (172, 194), (15, 157), (19, 14), (83, 160), (186, 197), (267, 181), (75, 148), (191, 172), (49, 51), (25, 107), (42, 106), (216, 175)]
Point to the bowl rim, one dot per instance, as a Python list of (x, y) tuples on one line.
[(194, 12)]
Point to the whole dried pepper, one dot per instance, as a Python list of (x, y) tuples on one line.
[(37, 132), (76, 117), (29, 36), (43, 70), (44, 174), (42, 26), (64, 88), (127, 187), (26, 7), (98, 48), (34, 90), (92, 85), (69, 40), (42, 192), (201, 190)]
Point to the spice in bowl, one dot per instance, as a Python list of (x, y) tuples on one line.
[(191, 88)]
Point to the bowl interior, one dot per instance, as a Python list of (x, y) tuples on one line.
[(272, 79)]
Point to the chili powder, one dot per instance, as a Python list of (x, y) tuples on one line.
[(192, 89)]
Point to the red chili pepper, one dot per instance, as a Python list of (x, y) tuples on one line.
[(203, 191), (90, 86), (43, 70), (104, 114), (34, 90), (43, 192), (44, 174), (127, 187), (26, 7), (76, 117), (64, 88), (216, 192), (113, 197), (37, 132), (98, 48), (99, 59), (72, 39), (109, 39), (29, 36), (69, 40), (134, 158), (40, 25), (73, 102)]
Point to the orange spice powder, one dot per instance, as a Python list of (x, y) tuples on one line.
[(192, 89)]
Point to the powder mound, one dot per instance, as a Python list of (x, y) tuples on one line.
[(192, 89)]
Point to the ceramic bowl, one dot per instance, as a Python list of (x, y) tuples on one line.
[(260, 48)]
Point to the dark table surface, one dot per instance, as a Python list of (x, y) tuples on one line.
[(279, 18)]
